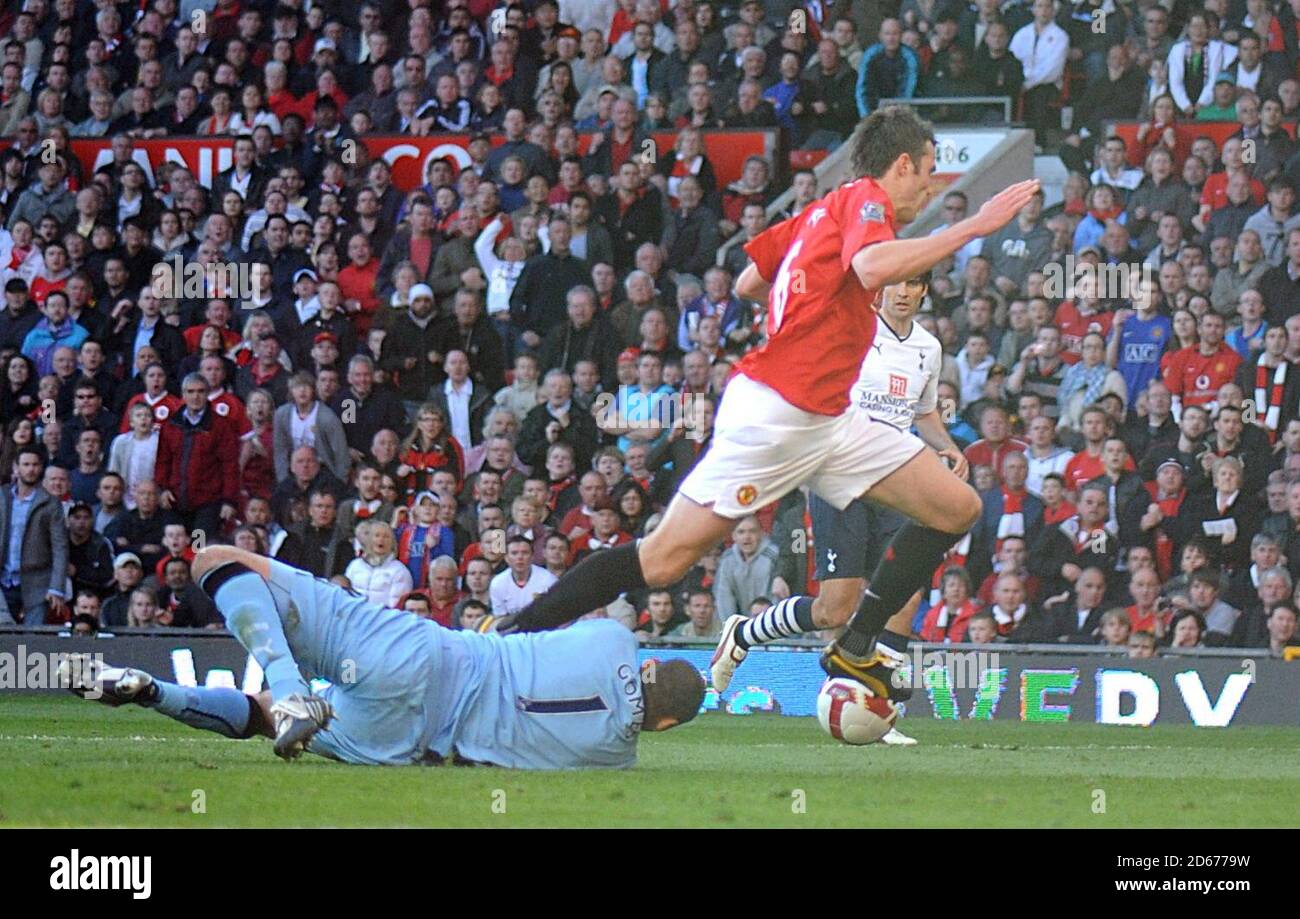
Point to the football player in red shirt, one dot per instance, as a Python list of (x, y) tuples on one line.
[(785, 419)]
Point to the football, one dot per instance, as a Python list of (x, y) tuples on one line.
[(851, 713)]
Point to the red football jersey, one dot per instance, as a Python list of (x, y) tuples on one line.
[(1197, 378), (820, 319), (227, 405), (1084, 467), (1215, 191), (166, 406), (1075, 326)]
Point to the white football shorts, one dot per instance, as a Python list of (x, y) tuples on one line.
[(763, 448)]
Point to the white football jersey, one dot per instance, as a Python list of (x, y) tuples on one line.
[(899, 378)]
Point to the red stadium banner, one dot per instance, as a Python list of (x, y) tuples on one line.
[(203, 156), (1184, 134), (409, 156)]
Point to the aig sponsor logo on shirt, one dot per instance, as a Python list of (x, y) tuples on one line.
[(1145, 353)]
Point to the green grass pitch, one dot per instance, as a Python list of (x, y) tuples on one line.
[(66, 762)]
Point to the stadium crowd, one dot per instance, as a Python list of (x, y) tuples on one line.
[(448, 395)]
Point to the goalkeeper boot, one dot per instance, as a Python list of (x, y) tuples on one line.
[(881, 670), (90, 678), (297, 719), (729, 654)]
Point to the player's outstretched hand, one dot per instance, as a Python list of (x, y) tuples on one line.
[(999, 210)]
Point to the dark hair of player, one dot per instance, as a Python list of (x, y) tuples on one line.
[(676, 692), (887, 134)]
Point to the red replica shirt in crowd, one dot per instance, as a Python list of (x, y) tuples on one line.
[(576, 519), (163, 407), (820, 320), (443, 613), (983, 453), (1139, 622), (1074, 326), (43, 287), (229, 337), (619, 152), (161, 567), (1195, 378), (358, 283), (1215, 191), (227, 405), (1085, 467)]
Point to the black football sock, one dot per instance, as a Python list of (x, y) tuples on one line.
[(907, 566), (595, 582), (893, 641)]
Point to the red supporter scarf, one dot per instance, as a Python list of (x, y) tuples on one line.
[(1271, 396), (1059, 514), (367, 508), (1083, 539), (555, 488), (424, 463), (260, 378), (1164, 545), (1012, 505), (956, 557)]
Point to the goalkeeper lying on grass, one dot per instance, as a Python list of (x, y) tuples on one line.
[(405, 690)]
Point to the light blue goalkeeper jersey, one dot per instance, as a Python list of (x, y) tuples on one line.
[(403, 687), (552, 700)]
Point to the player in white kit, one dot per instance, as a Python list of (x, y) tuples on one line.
[(898, 386)]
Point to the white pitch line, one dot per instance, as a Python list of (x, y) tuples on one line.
[(1014, 748)]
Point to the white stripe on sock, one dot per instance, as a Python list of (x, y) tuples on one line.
[(780, 617), (788, 622), (776, 622)]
